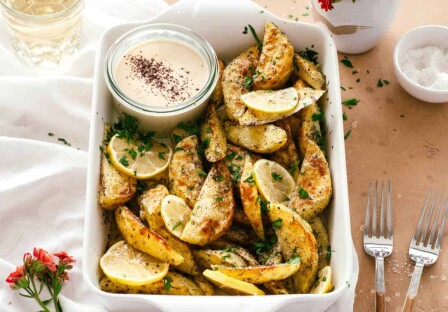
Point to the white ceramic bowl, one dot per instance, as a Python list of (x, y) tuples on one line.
[(222, 23), (433, 35)]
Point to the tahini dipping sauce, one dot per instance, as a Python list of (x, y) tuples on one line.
[(160, 73)]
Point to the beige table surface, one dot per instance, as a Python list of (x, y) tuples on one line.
[(397, 137)]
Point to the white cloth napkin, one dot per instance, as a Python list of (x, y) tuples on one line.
[(42, 179)]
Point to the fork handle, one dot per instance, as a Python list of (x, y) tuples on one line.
[(380, 304), (413, 287)]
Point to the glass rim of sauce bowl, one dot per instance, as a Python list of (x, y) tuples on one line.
[(161, 31), (24, 17)]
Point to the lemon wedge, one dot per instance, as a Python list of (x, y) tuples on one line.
[(273, 181), (175, 213), (323, 284), (232, 285), (125, 264), (138, 159), (272, 102)]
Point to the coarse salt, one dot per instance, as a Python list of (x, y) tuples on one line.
[(427, 66)]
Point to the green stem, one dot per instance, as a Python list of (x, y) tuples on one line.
[(55, 299), (36, 296)]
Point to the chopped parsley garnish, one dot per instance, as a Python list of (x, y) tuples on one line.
[(277, 223), (220, 199), (328, 253), (231, 155), (254, 33), (303, 194), (167, 283), (245, 30), (64, 141), (50, 134), (286, 198), (225, 257), (250, 180), (264, 205), (131, 152), (177, 138), (202, 173), (294, 166), (382, 82), (208, 130), (265, 245), (347, 134), (343, 89), (124, 161), (347, 63), (276, 176), (179, 223), (318, 116), (239, 157), (324, 279), (351, 102), (344, 116), (358, 80), (205, 143), (309, 55), (248, 82), (354, 72), (177, 149), (161, 155), (294, 259), (189, 128), (229, 249), (141, 186), (218, 178)]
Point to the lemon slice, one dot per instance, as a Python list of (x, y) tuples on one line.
[(137, 159), (125, 264), (274, 102), (323, 284), (175, 213), (273, 181), (232, 285)]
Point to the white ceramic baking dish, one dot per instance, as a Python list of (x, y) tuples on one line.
[(222, 24)]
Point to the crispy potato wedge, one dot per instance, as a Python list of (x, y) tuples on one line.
[(217, 97), (287, 155), (213, 133), (323, 241), (213, 213), (178, 134), (307, 96), (296, 239), (309, 129), (116, 188), (276, 287), (222, 114), (300, 84), (234, 161), (231, 285), (185, 170), (276, 60), (314, 190), (206, 258), (263, 139), (275, 255), (149, 203), (204, 285), (180, 285), (241, 236), (308, 71), (241, 217), (294, 122), (260, 274), (249, 197), (189, 265), (140, 237), (234, 78)]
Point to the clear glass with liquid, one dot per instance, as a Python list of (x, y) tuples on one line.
[(43, 32)]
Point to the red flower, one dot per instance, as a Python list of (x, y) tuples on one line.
[(16, 275), (326, 5), (64, 257), (46, 259), (27, 258)]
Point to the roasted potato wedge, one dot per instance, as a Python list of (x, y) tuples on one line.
[(308, 71), (309, 129), (207, 258), (276, 60), (241, 236), (140, 237), (222, 114), (149, 203), (287, 155), (204, 285), (323, 242), (275, 255), (300, 84), (180, 285), (116, 188), (249, 197), (217, 98), (178, 134), (294, 122), (241, 217), (234, 161), (213, 213), (189, 265), (234, 81), (185, 170), (263, 139), (296, 239), (314, 190), (231, 285), (260, 274), (213, 133)]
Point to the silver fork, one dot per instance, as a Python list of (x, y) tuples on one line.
[(424, 250), (379, 245)]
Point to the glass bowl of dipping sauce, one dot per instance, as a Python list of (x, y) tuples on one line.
[(163, 74)]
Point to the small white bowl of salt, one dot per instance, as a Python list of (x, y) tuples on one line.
[(421, 63)]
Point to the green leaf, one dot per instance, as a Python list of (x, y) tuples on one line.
[(347, 134), (231, 156), (167, 283), (277, 223), (57, 286), (254, 33), (303, 194), (202, 173), (347, 63), (351, 102), (26, 296), (177, 225), (276, 176), (318, 116), (379, 84), (293, 260), (46, 302), (229, 249), (23, 283)]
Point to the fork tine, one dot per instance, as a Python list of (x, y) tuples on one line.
[(389, 212), (442, 226), (367, 220), (420, 220), (382, 210), (428, 220), (432, 235), (375, 200)]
